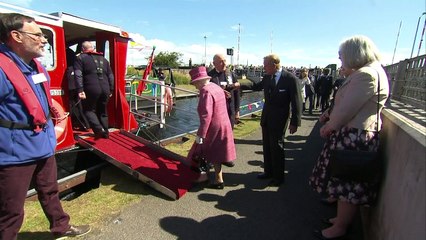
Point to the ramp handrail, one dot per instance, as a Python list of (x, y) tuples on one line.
[(157, 100)]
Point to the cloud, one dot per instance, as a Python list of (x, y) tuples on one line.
[(21, 3)]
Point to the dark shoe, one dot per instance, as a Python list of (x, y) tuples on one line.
[(264, 176), (228, 164), (326, 221), (101, 135), (275, 183), (217, 186), (318, 234), (328, 201), (74, 231)]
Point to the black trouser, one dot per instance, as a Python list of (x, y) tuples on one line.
[(325, 101), (95, 109), (317, 100), (311, 103), (273, 152), (77, 115)]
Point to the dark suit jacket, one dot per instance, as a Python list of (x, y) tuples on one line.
[(280, 99), (232, 103)]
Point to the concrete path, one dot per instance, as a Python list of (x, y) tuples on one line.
[(246, 209)]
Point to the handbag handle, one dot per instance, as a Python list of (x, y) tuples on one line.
[(378, 100), (201, 149)]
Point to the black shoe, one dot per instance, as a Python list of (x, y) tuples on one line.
[(74, 231), (99, 135), (326, 221), (217, 186), (328, 201), (264, 176), (318, 234), (228, 164), (275, 183)]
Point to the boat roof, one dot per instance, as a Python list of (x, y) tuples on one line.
[(79, 27)]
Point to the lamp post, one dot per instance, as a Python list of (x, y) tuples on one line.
[(205, 50), (414, 42)]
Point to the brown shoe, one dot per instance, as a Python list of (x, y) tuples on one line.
[(74, 231)]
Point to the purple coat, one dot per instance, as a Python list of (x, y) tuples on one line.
[(215, 129)]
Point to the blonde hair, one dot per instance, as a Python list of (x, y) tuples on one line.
[(357, 51), (304, 72)]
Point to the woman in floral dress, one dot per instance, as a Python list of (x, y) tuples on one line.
[(351, 124)]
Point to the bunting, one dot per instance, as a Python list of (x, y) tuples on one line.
[(254, 105)]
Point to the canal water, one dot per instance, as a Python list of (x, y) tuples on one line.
[(184, 117)]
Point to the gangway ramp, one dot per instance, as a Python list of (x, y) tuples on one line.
[(157, 167)]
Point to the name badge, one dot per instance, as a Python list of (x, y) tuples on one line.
[(39, 78), (229, 78)]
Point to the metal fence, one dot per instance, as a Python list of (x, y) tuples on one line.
[(408, 81)]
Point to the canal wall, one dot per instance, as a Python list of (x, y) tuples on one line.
[(400, 209)]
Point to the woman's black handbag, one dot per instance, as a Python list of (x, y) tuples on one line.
[(198, 161), (355, 164)]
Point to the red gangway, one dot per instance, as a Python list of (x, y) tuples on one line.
[(159, 168)]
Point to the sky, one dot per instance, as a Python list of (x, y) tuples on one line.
[(301, 32)]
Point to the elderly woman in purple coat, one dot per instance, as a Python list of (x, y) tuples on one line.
[(215, 139)]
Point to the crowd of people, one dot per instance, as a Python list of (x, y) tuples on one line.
[(350, 109)]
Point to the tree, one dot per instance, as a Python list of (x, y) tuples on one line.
[(167, 59)]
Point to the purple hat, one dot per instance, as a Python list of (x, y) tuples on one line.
[(198, 73)]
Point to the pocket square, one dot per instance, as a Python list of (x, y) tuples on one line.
[(281, 90)]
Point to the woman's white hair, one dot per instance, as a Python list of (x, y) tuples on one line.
[(357, 51)]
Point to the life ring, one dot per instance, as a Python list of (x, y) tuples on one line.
[(168, 99), (59, 118)]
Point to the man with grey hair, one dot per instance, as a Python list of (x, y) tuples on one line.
[(27, 149), (95, 85)]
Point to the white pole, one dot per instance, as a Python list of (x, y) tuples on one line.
[(396, 43), (205, 50), (417, 29), (238, 54)]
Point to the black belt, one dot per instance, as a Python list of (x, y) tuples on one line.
[(15, 125)]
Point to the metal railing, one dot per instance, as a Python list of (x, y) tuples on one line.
[(156, 100), (408, 81)]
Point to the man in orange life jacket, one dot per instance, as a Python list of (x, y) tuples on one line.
[(28, 137), (95, 84)]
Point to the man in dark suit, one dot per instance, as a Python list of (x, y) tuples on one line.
[(282, 95), (229, 83)]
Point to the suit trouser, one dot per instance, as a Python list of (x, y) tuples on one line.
[(273, 153), (95, 110), (311, 103), (77, 115), (14, 183)]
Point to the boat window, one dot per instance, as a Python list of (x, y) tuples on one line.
[(106, 54), (49, 58)]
